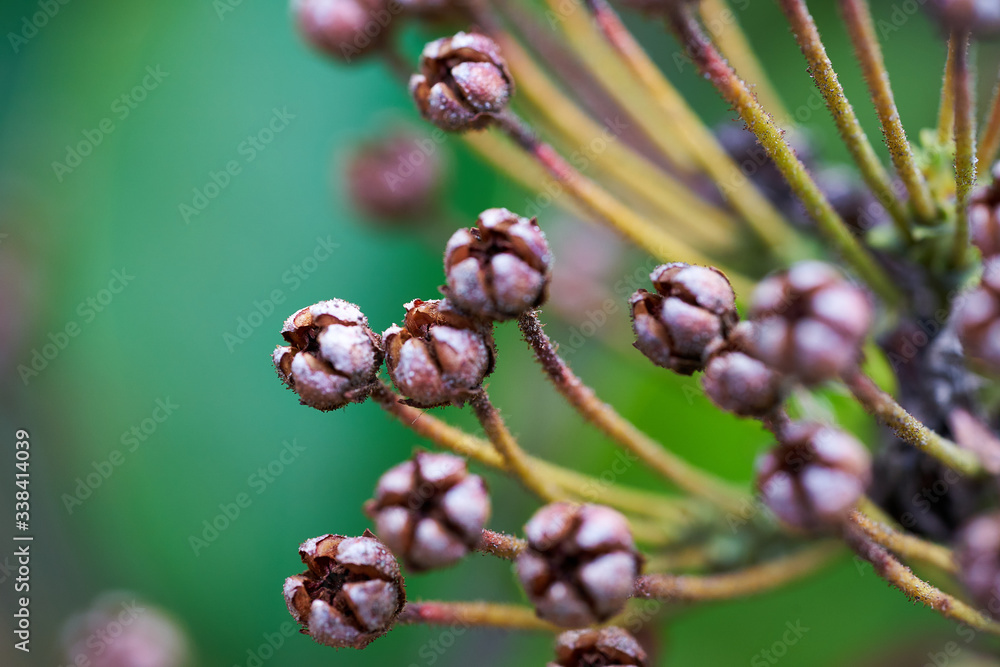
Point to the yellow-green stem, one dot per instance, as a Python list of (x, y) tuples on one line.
[(903, 544), (965, 148), (476, 614)]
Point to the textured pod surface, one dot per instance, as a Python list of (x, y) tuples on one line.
[(332, 358), (740, 384), (463, 79), (605, 647), (814, 476), (686, 319), (500, 268), (351, 592), (439, 356), (430, 510), (580, 563)]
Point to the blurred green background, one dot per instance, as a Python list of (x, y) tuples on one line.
[(222, 75)]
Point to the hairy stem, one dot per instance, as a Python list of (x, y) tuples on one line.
[(907, 546), (946, 112), (907, 427), (500, 545), (741, 193), (478, 614), (603, 416), (736, 93), (902, 578), (965, 148), (750, 581)]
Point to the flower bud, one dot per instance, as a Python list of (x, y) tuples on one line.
[(978, 319), (500, 268), (688, 317), (580, 563), (120, 631), (333, 357), (977, 554), (463, 81), (984, 217), (439, 356), (742, 385), (814, 476), (343, 29), (385, 181), (811, 322), (610, 646), (351, 592), (981, 17), (430, 510)]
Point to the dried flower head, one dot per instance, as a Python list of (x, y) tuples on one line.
[(740, 384), (393, 178), (981, 17), (686, 319), (332, 358), (977, 555), (978, 319), (351, 592), (439, 356), (343, 29), (814, 476), (430, 510), (810, 322), (598, 647), (500, 268), (463, 81), (580, 563), (984, 216)]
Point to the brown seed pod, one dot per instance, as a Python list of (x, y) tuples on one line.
[(740, 384), (463, 81), (393, 179), (430, 510), (333, 357), (351, 592), (500, 268), (598, 647), (439, 356), (980, 17), (977, 319), (977, 554), (343, 29), (580, 563)]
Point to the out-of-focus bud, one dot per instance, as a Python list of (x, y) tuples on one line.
[(984, 216), (981, 17), (598, 647), (580, 563), (811, 323), (500, 268), (122, 631), (742, 385), (430, 510), (333, 357), (814, 476), (394, 178), (463, 81), (686, 319), (351, 593), (978, 319), (977, 554), (439, 356), (343, 29)]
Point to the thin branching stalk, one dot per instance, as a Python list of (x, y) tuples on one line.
[(736, 47), (907, 546), (770, 136), (741, 193), (989, 140), (620, 430), (965, 148), (907, 427), (505, 443), (459, 442), (902, 578), (474, 614), (641, 231), (628, 169), (946, 112), (861, 28), (750, 581), (500, 545)]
